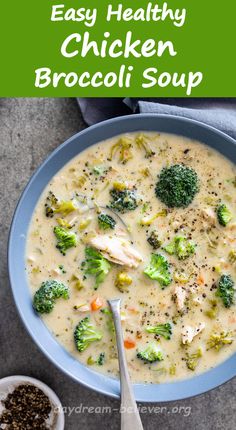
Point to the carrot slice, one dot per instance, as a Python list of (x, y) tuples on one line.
[(96, 304), (133, 310), (201, 279), (129, 343)]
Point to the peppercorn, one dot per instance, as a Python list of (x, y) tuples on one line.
[(26, 408)]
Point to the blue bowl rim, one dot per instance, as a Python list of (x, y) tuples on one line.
[(143, 392)]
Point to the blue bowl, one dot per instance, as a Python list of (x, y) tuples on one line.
[(17, 244)]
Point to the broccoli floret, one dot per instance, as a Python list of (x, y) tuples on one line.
[(123, 148), (172, 369), (100, 170), (50, 204), (76, 282), (142, 143), (123, 281), (181, 247), (218, 340), (106, 311), (106, 222), (170, 248), (158, 270), (193, 359), (150, 354), (44, 298), (95, 264), (84, 223), (110, 322), (154, 240), (65, 207), (226, 290), (212, 312), (85, 333), (149, 219), (181, 277), (123, 200), (101, 359), (81, 181), (62, 268), (90, 361), (177, 186), (65, 239), (232, 256), (63, 223), (164, 330), (224, 215), (53, 205)]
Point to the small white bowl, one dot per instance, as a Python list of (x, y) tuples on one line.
[(56, 419)]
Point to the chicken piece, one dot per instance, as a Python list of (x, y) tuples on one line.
[(180, 296), (188, 333), (232, 226), (209, 215), (117, 250), (197, 301), (31, 259), (82, 307), (56, 272)]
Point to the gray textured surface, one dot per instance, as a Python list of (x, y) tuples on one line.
[(29, 130)]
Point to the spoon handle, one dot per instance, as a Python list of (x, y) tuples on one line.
[(130, 418)]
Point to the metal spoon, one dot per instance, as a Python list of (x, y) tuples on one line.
[(130, 418)]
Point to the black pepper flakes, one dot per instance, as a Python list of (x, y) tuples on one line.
[(26, 408)]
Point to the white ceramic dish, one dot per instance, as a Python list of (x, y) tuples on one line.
[(56, 420)]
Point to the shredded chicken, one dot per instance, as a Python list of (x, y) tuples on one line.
[(31, 259), (56, 272), (82, 307), (117, 250), (209, 215), (189, 332), (180, 297), (197, 301)]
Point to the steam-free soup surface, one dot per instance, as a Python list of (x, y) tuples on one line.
[(189, 303)]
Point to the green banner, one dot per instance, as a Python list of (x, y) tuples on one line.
[(88, 48)]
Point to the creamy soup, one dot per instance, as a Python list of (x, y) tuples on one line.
[(172, 262)]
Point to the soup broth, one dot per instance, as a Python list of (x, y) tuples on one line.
[(200, 327)]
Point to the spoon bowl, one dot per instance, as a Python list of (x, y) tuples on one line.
[(130, 418)]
